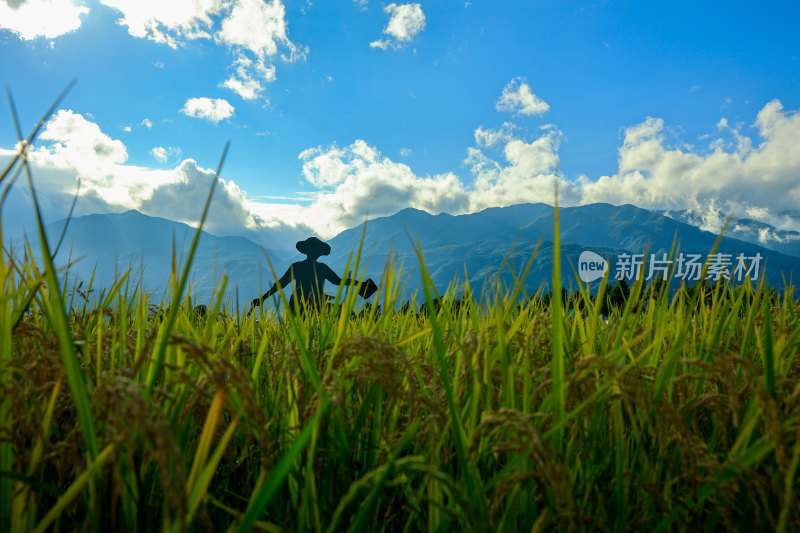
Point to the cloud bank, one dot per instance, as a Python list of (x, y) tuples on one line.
[(732, 173), (752, 177), (255, 31), (74, 148), (357, 182)]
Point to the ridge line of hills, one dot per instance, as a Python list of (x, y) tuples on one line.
[(480, 242)]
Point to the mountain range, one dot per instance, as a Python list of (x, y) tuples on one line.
[(116, 242), (484, 240), (485, 247)]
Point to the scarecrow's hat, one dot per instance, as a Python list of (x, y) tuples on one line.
[(313, 246)]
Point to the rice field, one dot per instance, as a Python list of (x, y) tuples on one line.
[(511, 412)]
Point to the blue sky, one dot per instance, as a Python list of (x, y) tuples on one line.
[(342, 110)]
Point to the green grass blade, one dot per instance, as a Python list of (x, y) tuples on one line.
[(558, 387)]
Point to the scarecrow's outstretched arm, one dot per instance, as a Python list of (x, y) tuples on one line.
[(368, 286), (334, 278), (283, 282)]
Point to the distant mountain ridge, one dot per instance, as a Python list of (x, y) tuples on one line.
[(115, 242), (485, 247), (483, 241)]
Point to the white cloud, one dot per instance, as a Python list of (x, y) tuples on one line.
[(755, 178), (405, 22), (147, 123), (527, 174), (734, 176), (183, 197), (766, 235), (405, 152), (361, 3), (246, 87), (161, 154), (207, 108), (356, 182), (255, 25), (708, 217), (167, 22), (260, 27), (518, 98), (257, 28), (76, 148), (80, 143), (73, 147), (489, 137), (41, 18), (246, 81)]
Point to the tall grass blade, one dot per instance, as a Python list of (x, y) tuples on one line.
[(558, 387), (54, 304)]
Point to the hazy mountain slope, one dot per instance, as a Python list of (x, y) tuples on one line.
[(115, 242), (630, 228), (491, 245), (491, 261), (394, 230), (482, 240)]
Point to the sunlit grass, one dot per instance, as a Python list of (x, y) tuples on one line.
[(516, 414)]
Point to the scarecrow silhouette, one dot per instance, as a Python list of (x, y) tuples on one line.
[(309, 276)]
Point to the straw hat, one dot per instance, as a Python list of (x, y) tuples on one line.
[(313, 246)]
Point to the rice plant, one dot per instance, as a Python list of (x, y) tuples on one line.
[(481, 414)]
